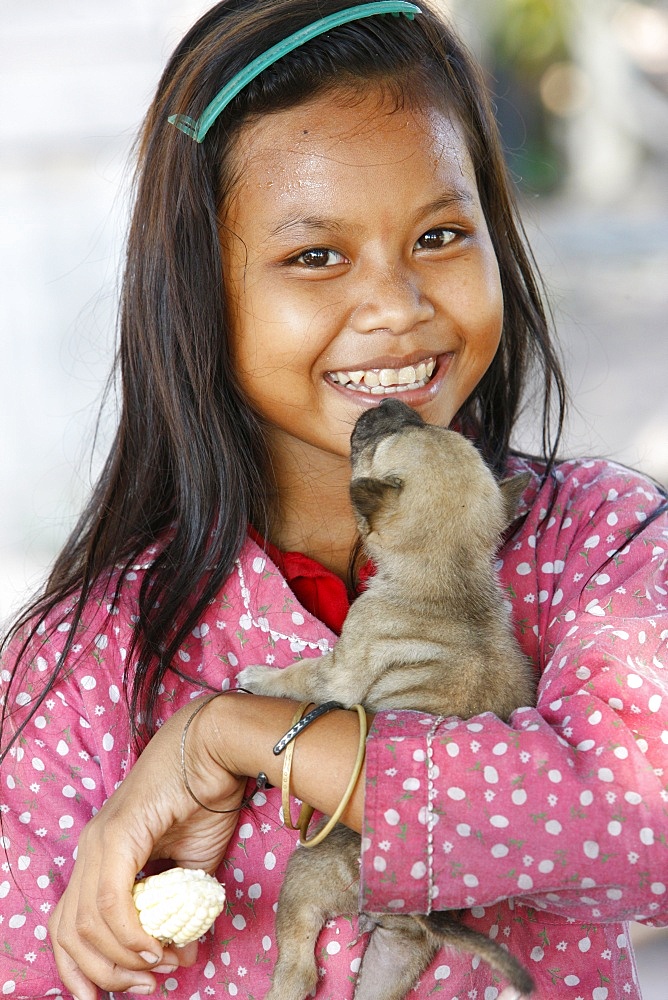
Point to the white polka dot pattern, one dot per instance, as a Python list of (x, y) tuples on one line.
[(561, 809), (550, 831)]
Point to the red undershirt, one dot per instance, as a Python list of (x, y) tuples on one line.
[(316, 588)]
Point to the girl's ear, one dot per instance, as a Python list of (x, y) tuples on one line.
[(511, 491), (369, 495)]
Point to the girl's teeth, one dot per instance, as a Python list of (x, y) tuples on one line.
[(378, 380)]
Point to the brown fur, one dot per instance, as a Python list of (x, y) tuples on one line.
[(431, 632)]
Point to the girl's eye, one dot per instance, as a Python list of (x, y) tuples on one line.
[(436, 239), (320, 257)]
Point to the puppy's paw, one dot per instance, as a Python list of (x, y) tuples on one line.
[(258, 679), (295, 982)]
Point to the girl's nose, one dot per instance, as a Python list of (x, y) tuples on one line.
[(390, 300)]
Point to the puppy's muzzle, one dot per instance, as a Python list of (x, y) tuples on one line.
[(389, 417)]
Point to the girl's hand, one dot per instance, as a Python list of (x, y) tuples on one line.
[(96, 934)]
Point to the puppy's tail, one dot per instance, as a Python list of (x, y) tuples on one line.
[(449, 931)]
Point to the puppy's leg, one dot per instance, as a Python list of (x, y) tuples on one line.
[(320, 882), (305, 679), (398, 952)]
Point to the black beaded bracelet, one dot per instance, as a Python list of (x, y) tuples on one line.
[(300, 726)]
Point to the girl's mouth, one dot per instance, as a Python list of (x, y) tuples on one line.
[(386, 381)]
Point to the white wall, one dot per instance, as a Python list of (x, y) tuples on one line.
[(75, 79)]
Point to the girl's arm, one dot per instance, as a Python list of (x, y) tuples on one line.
[(323, 757), (566, 806), (95, 932)]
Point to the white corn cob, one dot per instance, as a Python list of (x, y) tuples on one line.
[(179, 905)]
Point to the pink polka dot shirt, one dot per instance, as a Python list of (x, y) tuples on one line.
[(550, 832)]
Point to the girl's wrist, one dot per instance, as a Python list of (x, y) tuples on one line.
[(235, 729), (206, 772), (239, 733)]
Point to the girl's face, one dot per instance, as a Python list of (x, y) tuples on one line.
[(357, 265)]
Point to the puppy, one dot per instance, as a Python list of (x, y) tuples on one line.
[(430, 632)]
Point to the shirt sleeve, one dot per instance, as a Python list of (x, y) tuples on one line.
[(566, 805)]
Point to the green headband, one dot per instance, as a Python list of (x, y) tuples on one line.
[(197, 128)]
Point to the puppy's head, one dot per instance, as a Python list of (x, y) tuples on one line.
[(418, 489)]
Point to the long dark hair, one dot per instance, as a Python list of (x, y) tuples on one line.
[(189, 465)]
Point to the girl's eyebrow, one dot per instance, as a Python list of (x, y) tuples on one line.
[(315, 223), (457, 196), (307, 223)]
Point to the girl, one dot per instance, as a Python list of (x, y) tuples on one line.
[(315, 228)]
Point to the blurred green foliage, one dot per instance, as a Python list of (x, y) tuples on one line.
[(526, 38), (530, 34)]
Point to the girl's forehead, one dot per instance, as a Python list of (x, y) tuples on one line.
[(339, 144)]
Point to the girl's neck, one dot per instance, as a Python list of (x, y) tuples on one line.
[(313, 514)]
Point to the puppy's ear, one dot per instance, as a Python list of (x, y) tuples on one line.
[(511, 491), (370, 495)]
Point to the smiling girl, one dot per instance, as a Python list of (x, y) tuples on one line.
[(339, 295), (315, 229)]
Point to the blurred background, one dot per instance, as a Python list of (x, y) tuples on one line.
[(581, 92)]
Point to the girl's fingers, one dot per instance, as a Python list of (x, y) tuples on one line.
[(184, 957), (72, 977), (95, 929), (91, 968), (98, 907)]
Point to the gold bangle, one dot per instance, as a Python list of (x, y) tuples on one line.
[(307, 811), (287, 769)]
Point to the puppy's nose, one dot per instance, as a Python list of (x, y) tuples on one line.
[(389, 417)]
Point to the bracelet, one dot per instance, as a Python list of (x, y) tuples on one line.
[(287, 764), (261, 781), (307, 811), (299, 725)]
